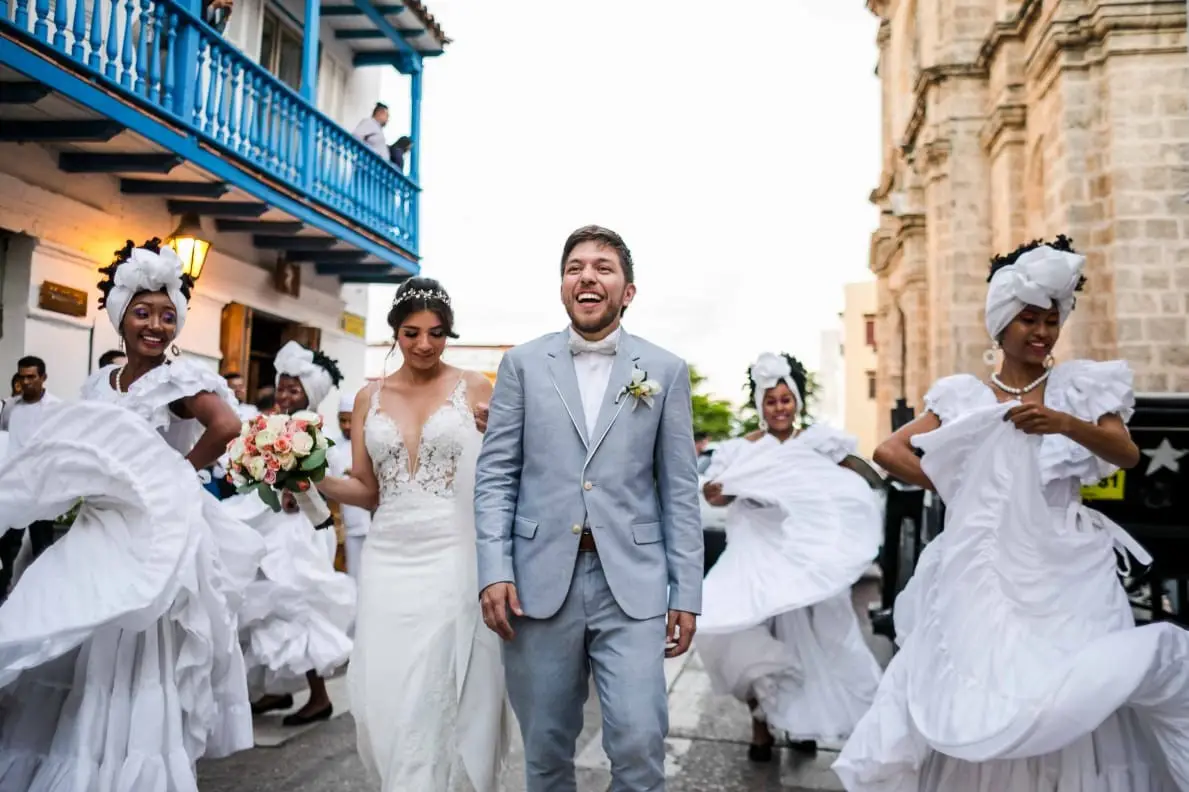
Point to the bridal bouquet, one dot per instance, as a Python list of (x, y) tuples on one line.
[(282, 453)]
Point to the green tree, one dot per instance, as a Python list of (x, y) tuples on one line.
[(715, 417)]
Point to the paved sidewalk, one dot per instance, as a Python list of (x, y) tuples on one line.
[(707, 748)]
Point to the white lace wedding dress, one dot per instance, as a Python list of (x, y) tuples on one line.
[(426, 678)]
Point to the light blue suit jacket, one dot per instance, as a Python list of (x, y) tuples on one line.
[(634, 482)]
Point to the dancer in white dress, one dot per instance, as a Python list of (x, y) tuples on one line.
[(426, 678), (1021, 668), (299, 612), (119, 657), (778, 629)]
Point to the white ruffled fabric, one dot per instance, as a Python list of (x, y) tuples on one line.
[(778, 624), (119, 659), (299, 612), (1021, 668)]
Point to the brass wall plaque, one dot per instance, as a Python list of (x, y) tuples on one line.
[(62, 299)]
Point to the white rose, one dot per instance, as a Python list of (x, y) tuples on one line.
[(303, 444), (236, 452), (265, 438), (309, 416), (277, 423), (288, 461), (237, 479), (256, 467), (322, 443), (652, 387), (638, 377)]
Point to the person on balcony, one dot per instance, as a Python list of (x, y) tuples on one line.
[(778, 630), (1020, 667), (370, 131), (120, 663), (398, 150)]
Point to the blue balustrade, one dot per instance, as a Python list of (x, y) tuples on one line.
[(160, 53)]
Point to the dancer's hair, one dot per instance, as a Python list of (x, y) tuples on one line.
[(1062, 243), (121, 256), (800, 379)]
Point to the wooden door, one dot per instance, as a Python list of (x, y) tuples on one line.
[(308, 337), (235, 339)]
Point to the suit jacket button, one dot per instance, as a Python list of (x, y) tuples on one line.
[(588, 486), (577, 529)]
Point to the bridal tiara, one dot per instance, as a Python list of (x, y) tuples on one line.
[(422, 294)]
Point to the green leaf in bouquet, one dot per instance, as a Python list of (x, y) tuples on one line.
[(316, 459), (269, 496), (317, 475)]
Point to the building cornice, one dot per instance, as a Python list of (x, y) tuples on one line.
[(926, 79), (1005, 123)]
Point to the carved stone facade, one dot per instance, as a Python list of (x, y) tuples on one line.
[(1007, 120)]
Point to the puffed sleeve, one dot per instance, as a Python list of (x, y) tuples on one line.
[(1087, 390), (950, 397), (830, 442)]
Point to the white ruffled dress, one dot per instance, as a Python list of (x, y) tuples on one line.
[(119, 659), (1021, 668), (777, 621), (298, 613)]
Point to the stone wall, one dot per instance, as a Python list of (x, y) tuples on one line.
[(1030, 118)]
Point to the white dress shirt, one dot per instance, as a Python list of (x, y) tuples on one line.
[(22, 419), (594, 374), (371, 134)]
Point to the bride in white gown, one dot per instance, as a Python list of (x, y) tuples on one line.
[(426, 678)]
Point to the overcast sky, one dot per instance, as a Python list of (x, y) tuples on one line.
[(733, 145)]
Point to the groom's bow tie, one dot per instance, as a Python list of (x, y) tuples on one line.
[(580, 346)]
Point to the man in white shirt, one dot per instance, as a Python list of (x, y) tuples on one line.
[(21, 418), (371, 131), (356, 521)]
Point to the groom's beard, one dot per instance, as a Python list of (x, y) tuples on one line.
[(598, 324)]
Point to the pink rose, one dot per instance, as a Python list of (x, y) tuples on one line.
[(272, 463), (303, 485), (282, 444), (299, 426), (270, 477), (261, 422)]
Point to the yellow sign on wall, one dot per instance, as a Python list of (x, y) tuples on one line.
[(353, 324), (1109, 489)]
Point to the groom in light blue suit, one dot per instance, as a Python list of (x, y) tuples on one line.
[(589, 528)]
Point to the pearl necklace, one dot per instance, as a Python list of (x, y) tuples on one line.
[(1021, 391), (119, 385)]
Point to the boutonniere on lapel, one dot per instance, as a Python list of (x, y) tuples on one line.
[(640, 388)]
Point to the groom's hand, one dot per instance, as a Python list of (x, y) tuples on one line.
[(497, 599), (680, 633)]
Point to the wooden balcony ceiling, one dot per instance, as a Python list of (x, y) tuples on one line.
[(103, 164), (354, 22)]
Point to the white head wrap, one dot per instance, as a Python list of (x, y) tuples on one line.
[(1042, 277), (767, 372), (147, 271), (346, 402), (294, 360)]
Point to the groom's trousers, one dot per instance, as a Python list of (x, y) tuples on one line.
[(548, 666)]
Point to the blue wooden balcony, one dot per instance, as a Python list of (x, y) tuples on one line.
[(154, 87)]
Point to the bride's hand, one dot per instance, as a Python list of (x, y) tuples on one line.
[(481, 412)]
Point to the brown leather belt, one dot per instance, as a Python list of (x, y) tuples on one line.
[(586, 543)]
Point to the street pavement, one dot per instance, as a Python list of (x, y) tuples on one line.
[(707, 747)]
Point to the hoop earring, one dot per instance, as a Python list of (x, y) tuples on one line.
[(174, 349), (384, 370), (992, 354), (121, 342), (1050, 361), (763, 424)]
